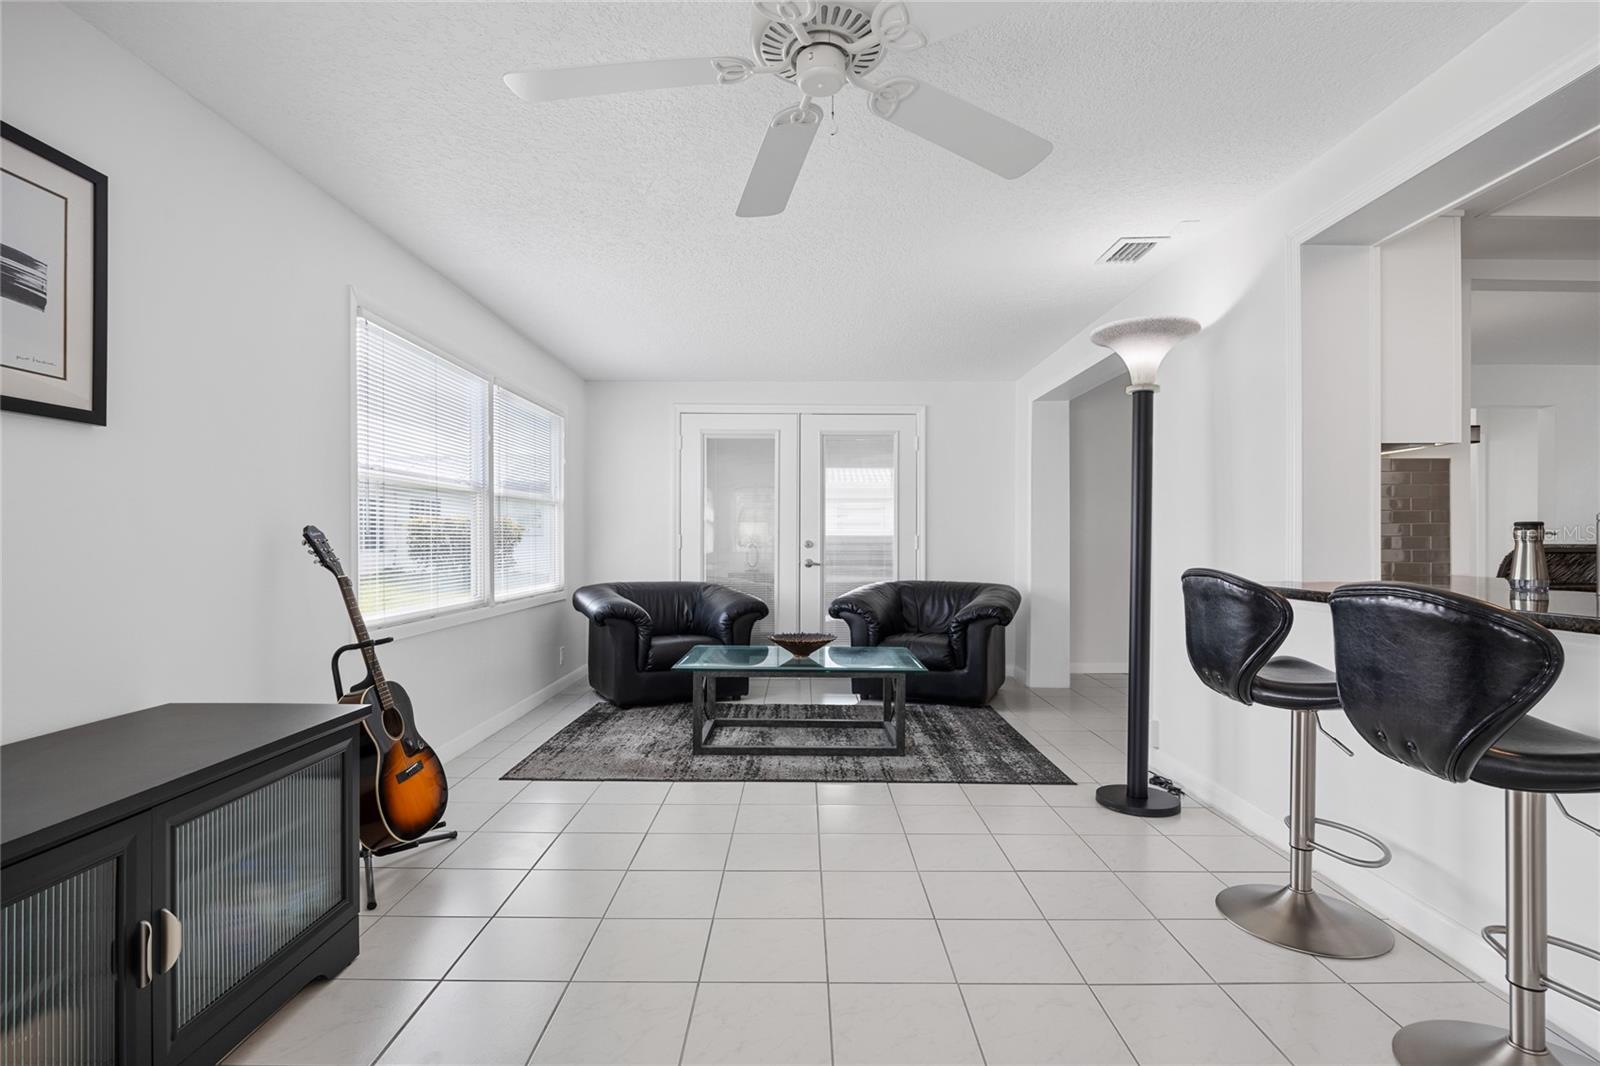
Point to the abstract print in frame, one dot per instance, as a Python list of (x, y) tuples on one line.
[(52, 282)]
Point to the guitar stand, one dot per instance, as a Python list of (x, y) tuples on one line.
[(367, 854)]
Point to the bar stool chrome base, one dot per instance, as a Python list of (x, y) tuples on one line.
[(1471, 1044), (1305, 921)]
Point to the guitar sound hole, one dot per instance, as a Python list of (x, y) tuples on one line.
[(393, 724)]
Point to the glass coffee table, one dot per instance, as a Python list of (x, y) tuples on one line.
[(707, 662)]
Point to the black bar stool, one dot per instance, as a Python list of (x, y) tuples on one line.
[(1443, 683), (1233, 628)]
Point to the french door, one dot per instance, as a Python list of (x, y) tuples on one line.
[(796, 508)]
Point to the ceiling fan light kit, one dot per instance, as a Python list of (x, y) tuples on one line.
[(822, 48)]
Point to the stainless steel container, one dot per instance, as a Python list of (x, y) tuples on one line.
[(1529, 575)]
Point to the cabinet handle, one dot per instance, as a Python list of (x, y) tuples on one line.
[(171, 940), (147, 937)]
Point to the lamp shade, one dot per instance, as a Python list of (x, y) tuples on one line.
[(1143, 343)]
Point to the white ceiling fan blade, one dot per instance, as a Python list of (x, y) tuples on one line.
[(965, 129), (539, 86), (777, 166)]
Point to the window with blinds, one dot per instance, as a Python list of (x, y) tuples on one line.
[(458, 500), (527, 497)]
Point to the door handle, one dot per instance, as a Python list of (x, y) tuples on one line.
[(809, 563), (146, 959), (171, 940)]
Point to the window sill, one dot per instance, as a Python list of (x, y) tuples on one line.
[(415, 627)]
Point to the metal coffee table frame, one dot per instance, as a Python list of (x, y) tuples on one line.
[(892, 724)]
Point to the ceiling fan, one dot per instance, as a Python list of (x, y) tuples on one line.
[(823, 47)]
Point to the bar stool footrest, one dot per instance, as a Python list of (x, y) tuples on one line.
[(1490, 932), (1385, 856)]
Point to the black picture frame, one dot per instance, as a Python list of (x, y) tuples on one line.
[(95, 414)]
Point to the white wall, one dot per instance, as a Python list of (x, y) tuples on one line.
[(969, 458), (1340, 493), (1102, 498), (1044, 659), (156, 558), (1228, 435)]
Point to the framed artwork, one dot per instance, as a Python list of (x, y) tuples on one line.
[(52, 282)]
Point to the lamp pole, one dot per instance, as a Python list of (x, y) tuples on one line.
[(1142, 344)]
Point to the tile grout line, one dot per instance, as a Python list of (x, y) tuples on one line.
[(567, 984), (939, 930), (1251, 1019), (827, 962), (440, 980), (705, 953)]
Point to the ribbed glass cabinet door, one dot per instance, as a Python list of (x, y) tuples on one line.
[(250, 875), (68, 952), (60, 988)]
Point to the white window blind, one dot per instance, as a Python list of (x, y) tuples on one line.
[(527, 497), (444, 520), (421, 463)]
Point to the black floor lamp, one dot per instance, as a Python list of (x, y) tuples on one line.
[(1142, 343)]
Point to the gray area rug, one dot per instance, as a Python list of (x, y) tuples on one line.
[(970, 745)]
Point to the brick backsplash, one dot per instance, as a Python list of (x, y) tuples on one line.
[(1416, 519)]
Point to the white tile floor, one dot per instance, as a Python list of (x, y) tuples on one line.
[(709, 922)]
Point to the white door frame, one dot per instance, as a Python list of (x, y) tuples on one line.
[(682, 409)]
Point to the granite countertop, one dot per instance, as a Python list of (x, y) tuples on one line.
[(1571, 612)]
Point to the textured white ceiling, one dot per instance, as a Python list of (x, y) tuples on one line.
[(604, 228)]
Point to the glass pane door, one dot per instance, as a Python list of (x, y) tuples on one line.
[(737, 478), (857, 545), (740, 515), (858, 478), (796, 509)]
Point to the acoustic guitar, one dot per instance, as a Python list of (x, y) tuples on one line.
[(403, 787)]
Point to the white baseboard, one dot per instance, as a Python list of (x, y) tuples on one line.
[(453, 747), (1417, 917), (1100, 668)]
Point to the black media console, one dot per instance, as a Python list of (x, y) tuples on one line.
[(171, 877)]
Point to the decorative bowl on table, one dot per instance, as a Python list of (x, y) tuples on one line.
[(802, 645)]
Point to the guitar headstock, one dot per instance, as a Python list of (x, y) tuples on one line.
[(317, 544)]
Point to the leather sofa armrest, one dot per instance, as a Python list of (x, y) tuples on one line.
[(999, 602), (727, 614), (995, 605), (601, 603), (611, 611), (875, 607)]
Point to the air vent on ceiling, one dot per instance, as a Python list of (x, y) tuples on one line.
[(1130, 249)]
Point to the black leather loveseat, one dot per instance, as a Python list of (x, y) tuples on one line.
[(642, 627), (955, 628)]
